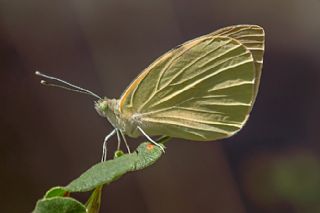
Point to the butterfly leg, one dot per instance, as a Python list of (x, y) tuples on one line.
[(104, 148), (150, 139), (125, 141), (119, 139)]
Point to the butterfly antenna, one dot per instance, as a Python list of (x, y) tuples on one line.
[(69, 86)]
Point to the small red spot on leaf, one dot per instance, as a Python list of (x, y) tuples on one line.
[(150, 146), (66, 194)]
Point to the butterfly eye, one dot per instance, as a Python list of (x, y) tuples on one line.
[(101, 107)]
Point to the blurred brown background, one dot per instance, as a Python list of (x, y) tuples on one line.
[(50, 136)]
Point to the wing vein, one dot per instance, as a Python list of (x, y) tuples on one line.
[(198, 81), (196, 60), (185, 125)]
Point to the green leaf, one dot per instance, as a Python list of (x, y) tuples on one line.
[(55, 201), (59, 205), (56, 191), (106, 172), (102, 173), (147, 155)]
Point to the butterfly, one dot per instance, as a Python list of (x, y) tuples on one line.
[(201, 90)]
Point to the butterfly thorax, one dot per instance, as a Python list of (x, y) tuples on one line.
[(109, 108)]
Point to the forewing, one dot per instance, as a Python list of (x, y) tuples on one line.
[(253, 38), (202, 90)]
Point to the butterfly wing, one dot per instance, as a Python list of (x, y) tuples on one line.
[(201, 90), (253, 38)]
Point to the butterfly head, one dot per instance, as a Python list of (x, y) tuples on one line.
[(102, 106), (107, 108)]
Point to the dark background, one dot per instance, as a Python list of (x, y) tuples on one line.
[(50, 136)]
